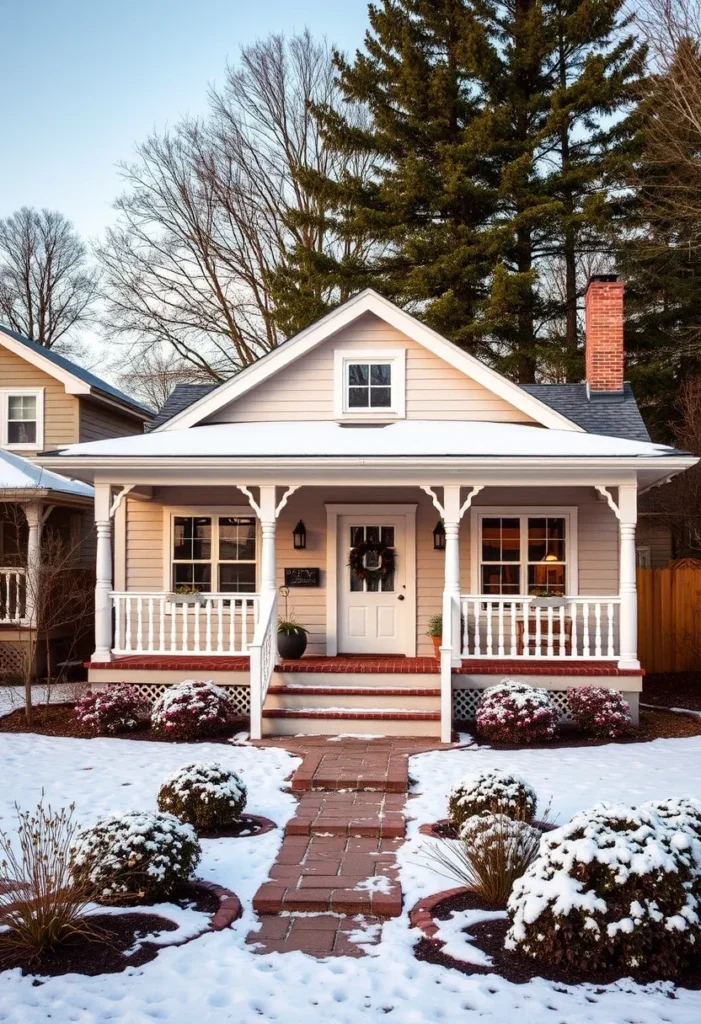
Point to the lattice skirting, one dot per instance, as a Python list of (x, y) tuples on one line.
[(465, 702), (240, 696), (11, 659)]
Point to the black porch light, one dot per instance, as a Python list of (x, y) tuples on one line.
[(439, 536), (299, 535)]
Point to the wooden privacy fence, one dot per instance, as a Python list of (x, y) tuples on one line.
[(669, 620)]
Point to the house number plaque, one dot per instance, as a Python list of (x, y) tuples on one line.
[(299, 577)]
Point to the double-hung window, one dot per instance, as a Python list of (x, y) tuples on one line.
[(21, 419), (213, 553), (369, 384), (526, 554)]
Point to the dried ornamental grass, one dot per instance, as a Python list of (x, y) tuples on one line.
[(41, 903), (208, 796), (492, 852), (139, 854), (615, 887), (514, 712), (491, 792), (192, 709)]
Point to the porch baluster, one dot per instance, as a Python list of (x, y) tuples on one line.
[(551, 649), (150, 624), (196, 616), (127, 624), (514, 649), (526, 611), (585, 629), (597, 636), (185, 626), (563, 634), (139, 624), (490, 649), (573, 619), (610, 630), (500, 621), (476, 613), (161, 623)]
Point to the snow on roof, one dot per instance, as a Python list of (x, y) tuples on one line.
[(18, 474), (405, 438)]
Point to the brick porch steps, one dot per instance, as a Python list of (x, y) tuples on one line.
[(362, 721), (368, 814), (353, 691)]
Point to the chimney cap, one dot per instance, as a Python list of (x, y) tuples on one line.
[(603, 278)]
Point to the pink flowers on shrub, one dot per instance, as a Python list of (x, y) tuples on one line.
[(191, 709), (513, 712), (116, 709), (599, 710)]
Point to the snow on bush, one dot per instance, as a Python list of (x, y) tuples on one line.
[(208, 796), (513, 712), (137, 854), (192, 708), (614, 888), (491, 792), (600, 711), (117, 709)]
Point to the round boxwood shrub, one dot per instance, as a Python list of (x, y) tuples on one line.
[(137, 854), (600, 711), (682, 813), (208, 796), (491, 792), (116, 709), (614, 888), (192, 709), (513, 712)]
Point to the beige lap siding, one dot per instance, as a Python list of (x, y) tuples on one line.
[(598, 542), (60, 409), (434, 389)]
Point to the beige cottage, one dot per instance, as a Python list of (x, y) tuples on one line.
[(365, 477)]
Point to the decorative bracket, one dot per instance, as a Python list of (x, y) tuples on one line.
[(463, 508), (256, 507), (608, 497), (119, 498), (283, 500)]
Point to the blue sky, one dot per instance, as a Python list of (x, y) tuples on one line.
[(84, 80)]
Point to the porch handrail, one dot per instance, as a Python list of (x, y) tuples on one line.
[(263, 654), (156, 622), (585, 627), (13, 595)]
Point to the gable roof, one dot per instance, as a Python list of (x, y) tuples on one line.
[(367, 301), (181, 398), (614, 415), (77, 379)]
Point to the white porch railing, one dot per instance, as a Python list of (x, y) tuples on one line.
[(263, 656), (160, 623), (517, 627), (13, 596)]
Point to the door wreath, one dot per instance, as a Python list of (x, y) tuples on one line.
[(385, 561)]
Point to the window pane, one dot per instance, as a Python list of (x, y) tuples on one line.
[(387, 536), (358, 398), (21, 433), (192, 574), (237, 538), (202, 538), (357, 535), (501, 579), (510, 540), (237, 579), (547, 579), (491, 540), (380, 398), (537, 539), (381, 373), (358, 374), (22, 407), (182, 537), (501, 540), (546, 540), (372, 534), (388, 584)]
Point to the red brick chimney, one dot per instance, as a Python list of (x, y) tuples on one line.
[(603, 315)]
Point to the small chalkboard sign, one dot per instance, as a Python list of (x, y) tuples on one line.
[(299, 577)]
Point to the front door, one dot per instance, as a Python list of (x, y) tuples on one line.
[(372, 582)]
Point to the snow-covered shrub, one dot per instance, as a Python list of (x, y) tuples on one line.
[(491, 792), (614, 888), (138, 853), (599, 710), (116, 709), (513, 712), (192, 708), (682, 813), (208, 796)]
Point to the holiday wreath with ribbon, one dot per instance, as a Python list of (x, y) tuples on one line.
[(384, 557)]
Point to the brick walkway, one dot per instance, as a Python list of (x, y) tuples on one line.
[(336, 865)]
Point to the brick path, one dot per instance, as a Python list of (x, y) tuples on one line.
[(336, 865)]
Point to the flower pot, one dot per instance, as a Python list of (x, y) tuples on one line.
[(186, 598), (292, 645), (548, 602), (437, 641)]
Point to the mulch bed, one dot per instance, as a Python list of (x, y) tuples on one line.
[(489, 938), (248, 825), (673, 690), (444, 830), (60, 720)]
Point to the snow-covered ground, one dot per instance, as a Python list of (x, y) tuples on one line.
[(218, 979), (12, 697)]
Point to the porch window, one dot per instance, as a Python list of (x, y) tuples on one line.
[(369, 385), (21, 424), (214, 553), (518, 552)]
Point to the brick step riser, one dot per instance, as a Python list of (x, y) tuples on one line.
[(343, 905), (353, 680), (287, 701), (276, 724)]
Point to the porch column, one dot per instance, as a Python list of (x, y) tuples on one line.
[(34, 515), (451, 588), (267, 507), (103, 576), (627, 518)]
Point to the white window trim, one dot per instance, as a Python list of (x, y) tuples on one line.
[(569, 512), (5, 395), (169, 513), (396, 357)]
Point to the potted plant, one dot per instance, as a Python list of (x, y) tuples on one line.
[(291, 638), (184, 594), (543, 598), (435, 631)]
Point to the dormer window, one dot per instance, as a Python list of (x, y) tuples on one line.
[(369, 385), (21, 419)]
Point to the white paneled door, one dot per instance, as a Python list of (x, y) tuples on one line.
[(373, 608)]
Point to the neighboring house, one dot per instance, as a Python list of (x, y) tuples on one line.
[(384, 476), (46, 400)]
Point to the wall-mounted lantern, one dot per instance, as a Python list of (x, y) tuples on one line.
[(439, 536), (299, 536)]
